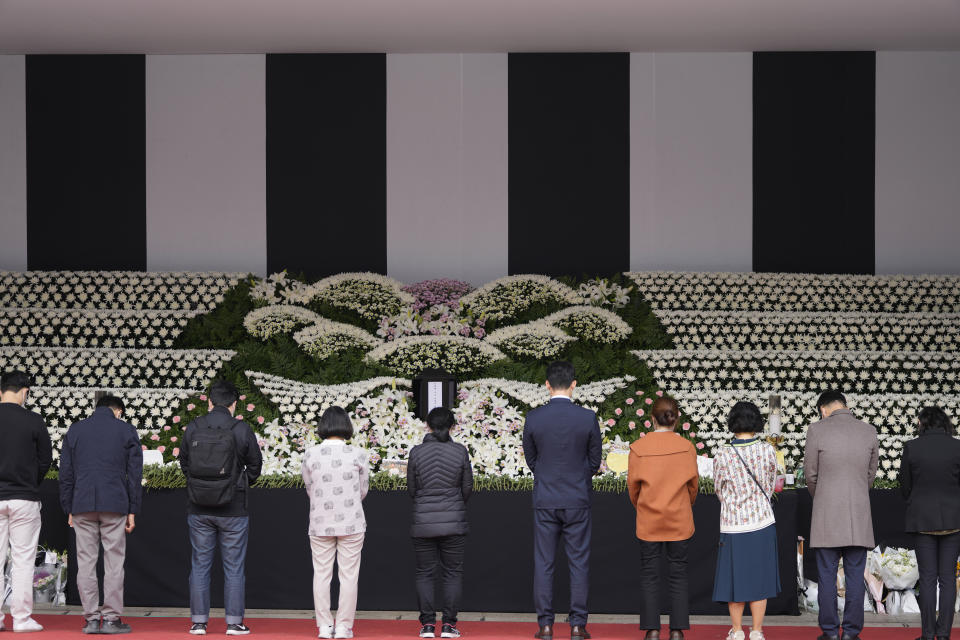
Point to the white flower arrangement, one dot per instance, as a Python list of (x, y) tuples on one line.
[(325, 338), (457, 354), (601, 292), (538, 339), (437, 320), (269, 321), (798, 292), (115, 368), (856, 371), (535, 395), (369, 294), (115, 289), (506, 297), (814, 331), (591, 323), (42, 327)]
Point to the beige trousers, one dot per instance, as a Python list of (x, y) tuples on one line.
[(92, 529), (20, 529), (346, 551)]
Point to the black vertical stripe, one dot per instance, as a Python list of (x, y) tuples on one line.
[(813, 162), (326, 163), (569, 190), (86, 162)]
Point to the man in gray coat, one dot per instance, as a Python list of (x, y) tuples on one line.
[(840, 466)]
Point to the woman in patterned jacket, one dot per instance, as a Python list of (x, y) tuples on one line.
[(745, 474), (336, 475)]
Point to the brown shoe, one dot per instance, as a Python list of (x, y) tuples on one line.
[(652, 634), (579, 632), (545, 632), (676, 634)]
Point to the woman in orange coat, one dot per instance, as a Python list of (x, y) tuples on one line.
[(662, 479)]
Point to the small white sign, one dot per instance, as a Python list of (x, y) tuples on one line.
[(434, 395), (152, 456)]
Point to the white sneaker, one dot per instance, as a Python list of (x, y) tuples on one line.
[(326, 631), (757, 635), (343, 632), (735, 635), (30, 626)]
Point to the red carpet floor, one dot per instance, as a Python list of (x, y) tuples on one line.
[(163, 628)]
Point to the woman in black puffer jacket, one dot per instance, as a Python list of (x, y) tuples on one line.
[(440, 480)]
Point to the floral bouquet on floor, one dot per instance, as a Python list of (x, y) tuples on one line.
[(898, 569), (50, 577)]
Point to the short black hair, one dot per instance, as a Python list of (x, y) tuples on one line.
[(829, 397), (934, 419), (745, 417), (223, 393), (14, 381), (560, 374), (112, 402), (440, 419), (335, 423)]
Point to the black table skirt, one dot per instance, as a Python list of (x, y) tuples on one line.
[(499, 558)]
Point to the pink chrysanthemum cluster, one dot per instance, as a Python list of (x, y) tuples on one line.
[(443, 291)]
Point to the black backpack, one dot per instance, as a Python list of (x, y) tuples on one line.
[(212, 479)]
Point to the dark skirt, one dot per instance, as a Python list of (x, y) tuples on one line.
[(748, 566)]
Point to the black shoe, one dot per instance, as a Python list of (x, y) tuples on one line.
[(579, 632), (652, 634), (848, 637), (676, 634), (449, 631), (198, 629), (91, 626), (824, 636), (114, 626), (238, 629), (428, 631)]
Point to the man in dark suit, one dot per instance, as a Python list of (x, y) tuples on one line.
[(562, 445), (101, 466)]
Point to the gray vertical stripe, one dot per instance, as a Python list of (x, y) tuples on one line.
[(691, 161), (917, 160), (206, 163), (447, 166), (13, 164)]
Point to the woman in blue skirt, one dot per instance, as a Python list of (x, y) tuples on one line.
[(745, 474)]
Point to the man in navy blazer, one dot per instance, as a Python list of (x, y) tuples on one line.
[(101, 466), (562, 445)]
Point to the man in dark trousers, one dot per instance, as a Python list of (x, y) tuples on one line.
[(220, 457), (562, 445), (25, 458), (101, 466)]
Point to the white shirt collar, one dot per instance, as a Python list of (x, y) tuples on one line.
[(560, 395)]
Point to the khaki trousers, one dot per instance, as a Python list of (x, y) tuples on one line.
[(92, 529), (346, 551), (20, 529)]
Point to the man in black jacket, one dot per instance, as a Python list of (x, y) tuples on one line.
[(227, 522), (25, 457)]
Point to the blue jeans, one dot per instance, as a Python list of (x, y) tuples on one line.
[(854, 565), (205, 533)]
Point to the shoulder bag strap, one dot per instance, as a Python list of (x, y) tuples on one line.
[(753, 477)]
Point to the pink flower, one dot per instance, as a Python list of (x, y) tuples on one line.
[(703, 455), (144, 447), (618, 411), (632, 424), (693, 434), (686, 426), (639, 392), (239, 416), (173, 439), (166, 428), (250, 407), (204, 398), (699, 445), (629, 400), (154, 437), (659, 393), (639, 413), (243, 397), (646, 423), (648, 400), (260, 420), (191, 407), (176, 452), (161, 448), (176, 419), (611, 422)]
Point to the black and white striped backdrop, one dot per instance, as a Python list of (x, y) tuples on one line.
[(474, 166)]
